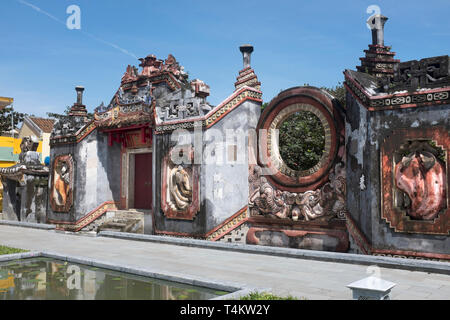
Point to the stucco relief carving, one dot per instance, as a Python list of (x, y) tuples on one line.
[(180, 188), (180, 185), (61, 182), (415, 168), (61, 193), (421, 178), (326, 202)]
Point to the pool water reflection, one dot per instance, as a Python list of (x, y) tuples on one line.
[(49, 279)]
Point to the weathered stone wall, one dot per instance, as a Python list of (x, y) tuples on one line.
[(11, 200), (223, 184), (365, 133), (96, 177), (15, 201)]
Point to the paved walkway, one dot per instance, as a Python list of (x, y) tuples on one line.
[(297, 277)]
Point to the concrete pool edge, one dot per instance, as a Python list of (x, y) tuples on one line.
[(381, 261), (20, 255), (236, 290), (32, 225)]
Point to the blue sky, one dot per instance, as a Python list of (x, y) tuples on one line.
[(296, 42)]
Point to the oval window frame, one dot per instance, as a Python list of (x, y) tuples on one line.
[(280, 108)]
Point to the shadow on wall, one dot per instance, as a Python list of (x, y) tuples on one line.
[(109, 160)]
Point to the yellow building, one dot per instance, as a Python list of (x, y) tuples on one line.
[(9, 151), (40, 128), (5, 102), (5, 163)]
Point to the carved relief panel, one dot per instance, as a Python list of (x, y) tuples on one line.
[(62, 180), (180, 184), (415, 175)]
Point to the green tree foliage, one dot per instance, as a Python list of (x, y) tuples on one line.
[(8, 250), (267, 296), (301, 140), (338, 92), (58, 115), (66, 114), (9, 119)]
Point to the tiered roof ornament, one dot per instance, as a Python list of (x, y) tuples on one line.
[(161, 85), (247, 76), (66, 129), (379, 60), (188, 109), (383, 82), (78, 109)]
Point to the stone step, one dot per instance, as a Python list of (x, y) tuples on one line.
[(116, 224), (119, 220)]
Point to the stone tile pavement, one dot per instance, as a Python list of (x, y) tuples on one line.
[(310, 279)]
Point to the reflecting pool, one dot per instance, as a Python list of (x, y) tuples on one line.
[(50, 279)]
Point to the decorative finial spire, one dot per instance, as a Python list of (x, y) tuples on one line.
[(246, 50), (79, 90), (376, 23), (247, 76), (78, 109), (379, 60)]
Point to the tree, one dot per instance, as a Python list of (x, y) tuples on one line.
[(338, 92), (59, 116), (301, 140), (9, 119)]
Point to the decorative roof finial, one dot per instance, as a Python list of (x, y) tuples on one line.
[(247, 76), (246, 50), (376, 23), (79, 90), (379, 60), (78, 109)]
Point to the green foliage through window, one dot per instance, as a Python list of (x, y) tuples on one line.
[(301, 140)]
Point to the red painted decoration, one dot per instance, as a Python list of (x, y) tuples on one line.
[(422, 177), (398, 218)]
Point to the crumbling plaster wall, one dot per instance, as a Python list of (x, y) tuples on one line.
[(97, 175), (365, 133), (223, 185)]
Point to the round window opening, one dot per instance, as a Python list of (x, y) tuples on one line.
[(301, 140)]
